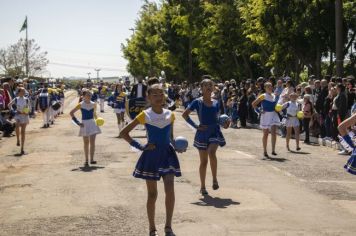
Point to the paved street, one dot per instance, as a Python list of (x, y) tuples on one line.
[(47, 193)]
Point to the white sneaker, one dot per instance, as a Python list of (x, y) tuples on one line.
[(343, 152)]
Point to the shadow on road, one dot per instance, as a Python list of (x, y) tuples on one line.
[(88, 169), (275, 159), (216, 202), (139, 136), (303, 153)]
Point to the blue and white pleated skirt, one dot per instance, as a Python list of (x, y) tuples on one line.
[(158, 162), (351, 165), (89, 128), (212, 134), (269, 119)]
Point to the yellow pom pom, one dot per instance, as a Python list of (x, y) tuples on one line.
[(26, 110), (99, 121), (300, 115), (278, 107)]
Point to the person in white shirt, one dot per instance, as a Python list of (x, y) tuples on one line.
[(292, 121)]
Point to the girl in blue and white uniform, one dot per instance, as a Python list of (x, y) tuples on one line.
[(119, 100), (345, 139), (269, 120), (158, 158), (22, 106), (88, 127), (208, 136), (292, 121)]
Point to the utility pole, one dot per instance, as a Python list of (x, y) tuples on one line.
[(97, 73), (338, 39), (89, 75)]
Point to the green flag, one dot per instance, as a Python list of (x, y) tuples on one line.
[(24, 26)]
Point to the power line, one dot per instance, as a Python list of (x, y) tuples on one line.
[(83, 53), (103, 68)]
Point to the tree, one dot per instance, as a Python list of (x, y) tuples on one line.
[(13, 59), (237, 38)]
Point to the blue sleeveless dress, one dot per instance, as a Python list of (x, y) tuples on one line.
[(162, 160), (207, 116), (269, 117)]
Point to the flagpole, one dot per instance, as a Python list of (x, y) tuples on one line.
[(27, 66)]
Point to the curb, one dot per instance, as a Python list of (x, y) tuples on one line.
[(322, 142)]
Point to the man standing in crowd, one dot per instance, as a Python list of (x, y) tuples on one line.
[(139, 89), (319, 105)]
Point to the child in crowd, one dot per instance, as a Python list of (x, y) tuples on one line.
[(292, 121), (119, 99)]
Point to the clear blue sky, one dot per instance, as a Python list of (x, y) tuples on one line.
[(78, 33)]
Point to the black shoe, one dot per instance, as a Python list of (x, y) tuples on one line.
[(203, 191), (52, 122), (86, 164), (22, 152), (92, 162), (215, 185), (298, 148), (274, 153), (168, 231), (265, 154)]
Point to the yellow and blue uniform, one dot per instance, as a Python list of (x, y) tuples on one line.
[(88, 114), (208, 116), (119, 102), (162, 160)]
